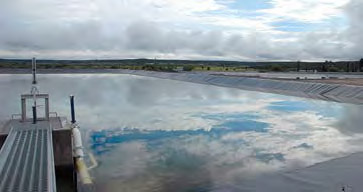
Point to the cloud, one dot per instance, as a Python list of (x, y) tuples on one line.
[(355, 31), (189, 29), (304, 10)]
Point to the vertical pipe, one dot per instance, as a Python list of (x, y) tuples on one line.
[(34, 114), (72, 109), (34, 70), (73, 120)]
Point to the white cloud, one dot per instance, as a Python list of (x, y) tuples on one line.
[(304, 10), (188, 29)]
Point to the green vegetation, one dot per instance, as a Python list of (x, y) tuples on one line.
[(188, 68), (189, 65)]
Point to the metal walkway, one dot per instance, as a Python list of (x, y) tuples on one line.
[(26, 159)]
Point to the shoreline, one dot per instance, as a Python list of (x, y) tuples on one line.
[(332, 88)]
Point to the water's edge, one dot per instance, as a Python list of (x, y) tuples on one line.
[(329, 92)]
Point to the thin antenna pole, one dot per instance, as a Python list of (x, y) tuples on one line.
[(34, 91), (34, 70)]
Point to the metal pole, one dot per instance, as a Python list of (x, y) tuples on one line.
[(34, 70), (23, 109), (73, 116), (34, 114)]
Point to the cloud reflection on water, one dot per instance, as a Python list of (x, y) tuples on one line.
[(153, 134)]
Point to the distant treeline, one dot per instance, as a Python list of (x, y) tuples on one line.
[(326, 66), (188, 65)]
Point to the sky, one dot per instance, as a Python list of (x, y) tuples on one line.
[(241, 30)]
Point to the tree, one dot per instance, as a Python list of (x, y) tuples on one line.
[(348, 67), (333, 69), (323, 67), (188, 68), (276, 68), (298, 66)]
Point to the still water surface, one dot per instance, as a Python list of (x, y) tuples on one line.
[(160, 135)]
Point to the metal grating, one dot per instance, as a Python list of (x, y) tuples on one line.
[(26, 159)]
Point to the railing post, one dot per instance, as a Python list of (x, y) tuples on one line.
[(73, 117), (47, 108)]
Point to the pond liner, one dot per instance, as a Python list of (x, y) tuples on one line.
[(330, 92)]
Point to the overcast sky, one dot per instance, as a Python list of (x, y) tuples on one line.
[(244, 30)]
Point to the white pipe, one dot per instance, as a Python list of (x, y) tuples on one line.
[(78, 154), (77, 143), (83, 172)]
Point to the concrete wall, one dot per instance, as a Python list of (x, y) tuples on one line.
[(63, 160), (62, 147)]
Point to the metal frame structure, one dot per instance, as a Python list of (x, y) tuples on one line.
[(27, 157), (24, 97)]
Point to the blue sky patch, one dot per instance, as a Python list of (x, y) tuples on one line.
[(250, 4), (293, 26)]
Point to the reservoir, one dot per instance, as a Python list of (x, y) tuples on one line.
[(150, 134)]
